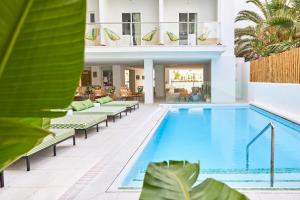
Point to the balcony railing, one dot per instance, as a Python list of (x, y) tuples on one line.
[(152, 34)]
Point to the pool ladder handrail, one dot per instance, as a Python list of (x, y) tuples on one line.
[(270, 125)]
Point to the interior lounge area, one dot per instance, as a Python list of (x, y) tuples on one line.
[(172, 83)]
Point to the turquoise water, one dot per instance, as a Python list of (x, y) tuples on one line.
[(217, 137)]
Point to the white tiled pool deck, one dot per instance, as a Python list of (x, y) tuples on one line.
[(88, 170)]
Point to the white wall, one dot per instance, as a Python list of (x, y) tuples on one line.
[(113, 13), (279, 98), (283, 99), (223, 74), (92, 6), (207, 10), (159, 81), (118, 77), (139, 82), (223, 80), (148, 69), (96, 81), (242, 79)]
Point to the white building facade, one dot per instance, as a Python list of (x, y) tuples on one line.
[(153, 39)]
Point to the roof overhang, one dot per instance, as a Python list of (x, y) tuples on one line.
[(160, 54)]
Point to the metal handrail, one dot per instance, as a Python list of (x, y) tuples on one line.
[(270, 125), (165, 22)]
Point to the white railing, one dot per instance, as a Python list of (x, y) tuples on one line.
[(153, 33)]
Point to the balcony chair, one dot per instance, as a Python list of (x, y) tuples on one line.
[(172, 36), (111, 35), (149, 36)]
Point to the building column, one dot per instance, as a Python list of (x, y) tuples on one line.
[(96, 74), (101, 20), (148, 84), (161, 20), (223, 79), (118, 77), (159, 81)]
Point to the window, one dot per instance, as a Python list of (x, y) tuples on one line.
[(131, 25), (126, 19), (187, 25), (192, 24), (92, 17)]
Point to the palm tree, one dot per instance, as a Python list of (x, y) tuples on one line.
[(275, 29)]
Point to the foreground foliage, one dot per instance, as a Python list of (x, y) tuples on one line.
[(276, 28), (41, 58), (174, 180)]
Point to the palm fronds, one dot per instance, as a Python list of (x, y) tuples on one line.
[(277, 30)]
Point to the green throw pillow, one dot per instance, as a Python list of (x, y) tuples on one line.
[(105, 99), (78, 106), (88, 103), (101, 100), (109, 99)]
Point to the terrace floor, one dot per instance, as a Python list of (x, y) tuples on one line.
[(89, 169)]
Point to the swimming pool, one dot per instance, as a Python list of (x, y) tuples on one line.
[(217, 136)]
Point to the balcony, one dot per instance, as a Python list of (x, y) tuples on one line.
[(134, 34)]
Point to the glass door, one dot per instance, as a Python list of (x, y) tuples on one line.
[(187, 28), (136, 28), (131, 25), (183, 28)]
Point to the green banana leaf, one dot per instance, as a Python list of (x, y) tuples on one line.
[(172, 37), (41, 59), (148, 37), (18, 136), (41, 55), (112, 35), (174, 180)]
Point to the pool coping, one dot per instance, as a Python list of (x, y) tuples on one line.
[(281, 114), (116, 184)]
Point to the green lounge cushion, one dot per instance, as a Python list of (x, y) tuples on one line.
[(122, 103), (77, 121), (101, 100), (58, 136), (106, 110), (108, 99), (78, 106), (88, 103)]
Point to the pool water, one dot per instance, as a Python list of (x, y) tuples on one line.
[(217, 136)]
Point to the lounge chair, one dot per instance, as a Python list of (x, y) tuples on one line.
[(59, 136), (107, 101), (126, 93), (88, 107), (78, 122)]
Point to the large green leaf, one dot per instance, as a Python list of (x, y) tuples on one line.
[(41, 55), (175, 180), (41, 58), (17, 138)]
